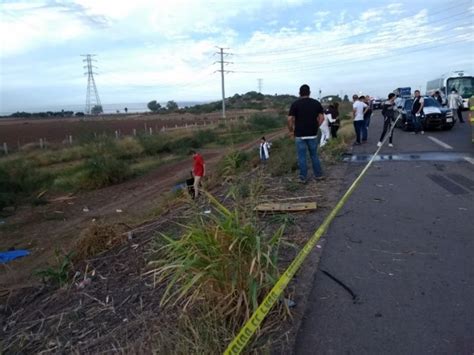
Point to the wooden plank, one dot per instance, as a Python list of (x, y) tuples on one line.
[(286, 207)]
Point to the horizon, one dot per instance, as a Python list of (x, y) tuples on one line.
[(148, 52)]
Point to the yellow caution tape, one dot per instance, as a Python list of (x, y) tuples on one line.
[(252, 325)]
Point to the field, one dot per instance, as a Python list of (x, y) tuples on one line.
[(103, 222), (19, 132)]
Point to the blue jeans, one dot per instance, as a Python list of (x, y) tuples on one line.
[(312, 146), (417, 123), (360, 129)]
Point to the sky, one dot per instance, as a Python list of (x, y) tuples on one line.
[(167, 50)]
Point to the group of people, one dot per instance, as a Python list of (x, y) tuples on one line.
[(362, 112), (307, 116)]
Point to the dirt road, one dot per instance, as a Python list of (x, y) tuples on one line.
[(44, 229)]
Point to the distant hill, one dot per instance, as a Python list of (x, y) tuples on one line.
[(250, 100)]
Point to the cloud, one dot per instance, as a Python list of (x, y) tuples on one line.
[(372, 14)]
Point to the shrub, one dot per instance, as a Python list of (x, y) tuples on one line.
[(153, 145), (129, 148), (102, 170), (20, 179)]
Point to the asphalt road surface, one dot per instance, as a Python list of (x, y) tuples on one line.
[(404, 244)]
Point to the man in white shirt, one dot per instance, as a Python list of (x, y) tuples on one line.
[(455, 104), (358, 109)]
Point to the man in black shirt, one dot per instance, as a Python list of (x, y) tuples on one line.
[(304, 118), (417, 112)]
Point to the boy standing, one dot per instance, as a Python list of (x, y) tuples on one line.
[(198, 171)]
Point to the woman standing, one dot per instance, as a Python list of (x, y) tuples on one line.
[(334, 122)]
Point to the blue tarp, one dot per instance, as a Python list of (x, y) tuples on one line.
[(6, 256)]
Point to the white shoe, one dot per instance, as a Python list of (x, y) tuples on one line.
[(390, 145), (379, 144)]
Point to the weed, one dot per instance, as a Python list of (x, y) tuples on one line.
[(59, 274), (283, 218), (224, 260), (232, 163)]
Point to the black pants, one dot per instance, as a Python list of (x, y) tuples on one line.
[(460, 114), (334, 129), (386, 126)]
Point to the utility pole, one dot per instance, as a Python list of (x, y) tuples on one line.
[(222, 71), (260, 81), (91, 87)]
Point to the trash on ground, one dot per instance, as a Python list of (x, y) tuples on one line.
[(118, 210), (460, 208), (289, 303), (2, 221), (62, 198), (318, 246), (7, 256), (85, 209), (286, 207), (207, 211), (84, 283)]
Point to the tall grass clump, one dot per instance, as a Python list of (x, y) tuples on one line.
[(223, 261), (20, 180), (104, 167), (233, 163), (265, 122), (155, 144), (282, 157)]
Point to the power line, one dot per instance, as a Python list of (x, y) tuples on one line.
[(91, 87), (329, 51), (310, 48), (417, 48)]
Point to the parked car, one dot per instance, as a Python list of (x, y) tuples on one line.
[(376, 103), (435, 116)]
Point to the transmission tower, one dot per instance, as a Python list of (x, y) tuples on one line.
[(260, 82), (222, 71), (91, 100)]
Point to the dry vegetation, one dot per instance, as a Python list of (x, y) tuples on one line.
[(182, 283)]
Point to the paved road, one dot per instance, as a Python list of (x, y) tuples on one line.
[(404, 243)]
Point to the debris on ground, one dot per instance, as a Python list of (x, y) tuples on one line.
[(7, 256), (286, 207)]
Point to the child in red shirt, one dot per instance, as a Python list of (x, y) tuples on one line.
[(198, 171)]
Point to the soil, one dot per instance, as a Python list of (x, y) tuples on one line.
[(118, 308), (57, 225), (19, 132)]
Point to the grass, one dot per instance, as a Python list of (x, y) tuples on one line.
[(97, 238), (59, 274), (224, 261)]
